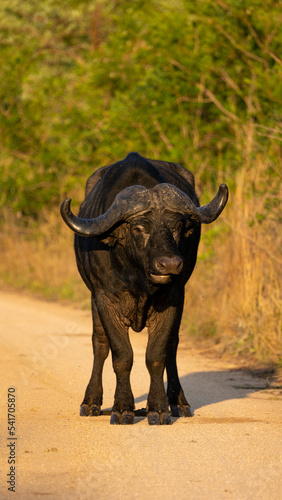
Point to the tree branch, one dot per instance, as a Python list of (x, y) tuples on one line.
[(220, 106)]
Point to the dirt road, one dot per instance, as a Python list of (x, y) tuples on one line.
[(230, 449)]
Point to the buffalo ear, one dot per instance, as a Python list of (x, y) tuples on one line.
[(189, 226), (112, 237), (107, 240)]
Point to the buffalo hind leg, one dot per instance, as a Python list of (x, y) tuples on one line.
[(93, 398), (178, 403)]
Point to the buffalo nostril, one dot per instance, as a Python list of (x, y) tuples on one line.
[(169, 265)]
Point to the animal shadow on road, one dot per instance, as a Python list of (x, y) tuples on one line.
[(208, 388)]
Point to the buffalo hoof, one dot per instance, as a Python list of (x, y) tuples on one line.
[(155, 418), (181, 411), (124, 418), (91, 411), (95, 411), (84, 410)]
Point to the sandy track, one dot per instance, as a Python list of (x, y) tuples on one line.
[(230, 449)]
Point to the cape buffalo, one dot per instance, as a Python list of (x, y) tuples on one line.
[(136, 244)]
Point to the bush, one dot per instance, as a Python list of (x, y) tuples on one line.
[(84, 83)]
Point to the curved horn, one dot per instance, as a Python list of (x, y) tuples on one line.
[(130, 201), (177, 200), (212, 210)]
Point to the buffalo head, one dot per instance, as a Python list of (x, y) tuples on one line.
[(150, 224)]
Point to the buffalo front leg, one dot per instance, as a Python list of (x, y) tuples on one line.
[(122, 357), (93, 398), (159, 333)]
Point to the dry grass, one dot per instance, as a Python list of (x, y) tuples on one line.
[(233, 299), (43, 263)]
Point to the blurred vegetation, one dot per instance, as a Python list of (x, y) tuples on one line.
[(197, 82)]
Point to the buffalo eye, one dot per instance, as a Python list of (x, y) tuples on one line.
[(137, 230), (176, 231), (178, 228)]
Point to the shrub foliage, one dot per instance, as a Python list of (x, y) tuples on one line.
[(85, 82)]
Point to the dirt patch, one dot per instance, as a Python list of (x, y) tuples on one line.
[(230, 448)]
